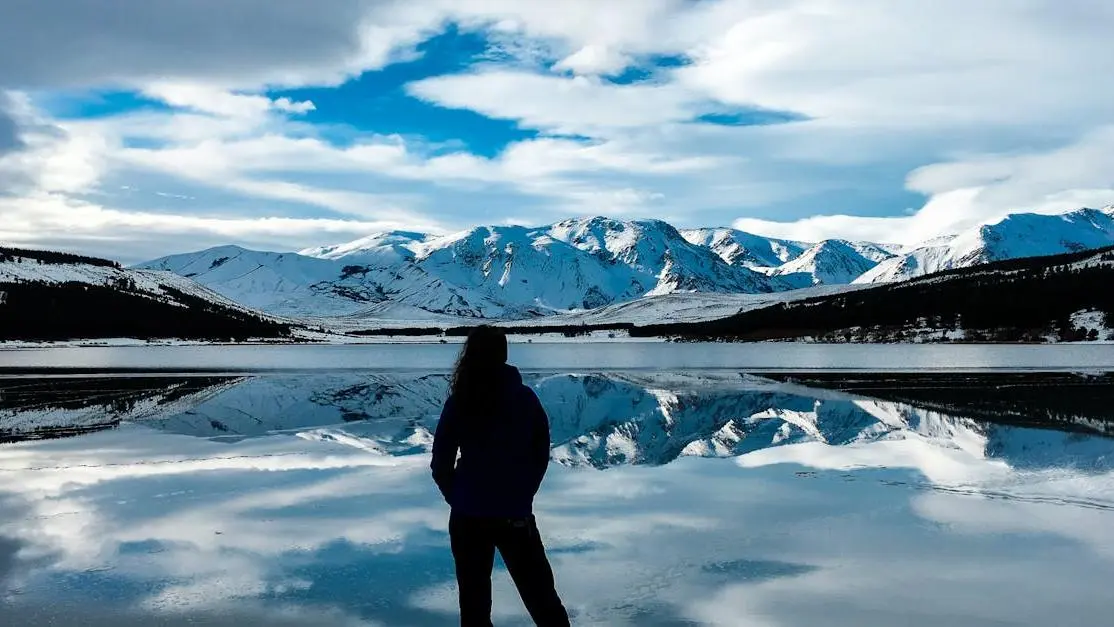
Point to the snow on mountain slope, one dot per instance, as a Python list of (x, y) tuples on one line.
[(662, 259), (831, 262), (379, 248), (291, 284), (740, 248), (686, 307), (154, 283), (257, 279), (508, 272), (876, 252), (526, 268), (1017, 235)]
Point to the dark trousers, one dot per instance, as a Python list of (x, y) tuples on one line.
[(474, 541)]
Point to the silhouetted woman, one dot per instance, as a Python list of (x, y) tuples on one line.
[(502, 433)]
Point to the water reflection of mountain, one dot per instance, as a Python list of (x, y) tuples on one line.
[(56, 407), (597, 419), (1061, 400)]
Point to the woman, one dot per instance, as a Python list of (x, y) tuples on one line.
[(502, 433)]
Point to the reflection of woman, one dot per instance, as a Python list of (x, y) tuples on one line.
[(502, 433)]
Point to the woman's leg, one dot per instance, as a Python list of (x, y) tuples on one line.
[(520, 544), (474, 554)]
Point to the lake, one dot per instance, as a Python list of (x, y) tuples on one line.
[(433, 357), (290, 486)]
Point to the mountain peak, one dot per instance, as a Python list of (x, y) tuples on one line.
[(829, 262), (740, 248), (1014, 236)]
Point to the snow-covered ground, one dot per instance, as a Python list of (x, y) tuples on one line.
[(664, 308)]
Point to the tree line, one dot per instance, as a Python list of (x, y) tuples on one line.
[(1013, 301), (37, 311), (52, 257)]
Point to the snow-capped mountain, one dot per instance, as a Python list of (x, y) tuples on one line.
[(831, 262), (1017, 235), (489, 271), (589, 264), (740, 248), (660, 259)]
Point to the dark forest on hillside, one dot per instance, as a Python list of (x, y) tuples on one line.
[(41, 311), (52, 257), (1019, 300)]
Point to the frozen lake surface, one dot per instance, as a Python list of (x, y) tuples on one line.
[(433, 357), (675, 497)]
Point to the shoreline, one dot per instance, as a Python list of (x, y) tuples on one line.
[(515, 338)]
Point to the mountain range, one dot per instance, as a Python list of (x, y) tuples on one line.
[(578, 266)]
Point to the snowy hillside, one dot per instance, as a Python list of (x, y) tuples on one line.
[(17, 268), (1056, 298), (291, 284), (1016, 236), (666, 308), (50, 295)]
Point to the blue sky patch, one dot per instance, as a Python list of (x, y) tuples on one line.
[(377, 102), (648, 69), (750, 117), (98, 104)]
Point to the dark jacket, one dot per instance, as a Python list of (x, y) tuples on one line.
[(503, 457)]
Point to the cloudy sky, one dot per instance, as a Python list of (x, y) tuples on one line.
[(137, 128)]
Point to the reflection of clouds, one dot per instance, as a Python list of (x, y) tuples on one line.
[(214, 542), (241, 614), (938, 464), (1088, 523), (906, 522)]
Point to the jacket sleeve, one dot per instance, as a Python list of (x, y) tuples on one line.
[(540, 444), (446, 443)]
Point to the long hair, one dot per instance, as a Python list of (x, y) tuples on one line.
[(479, 366)]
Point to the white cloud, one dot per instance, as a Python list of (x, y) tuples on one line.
[(905, 64), (216, 101), (52, 157), (983, 108), (881, 80), (593, 59), (244, 44), (978, 190), (133, 236), (579, 105)]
